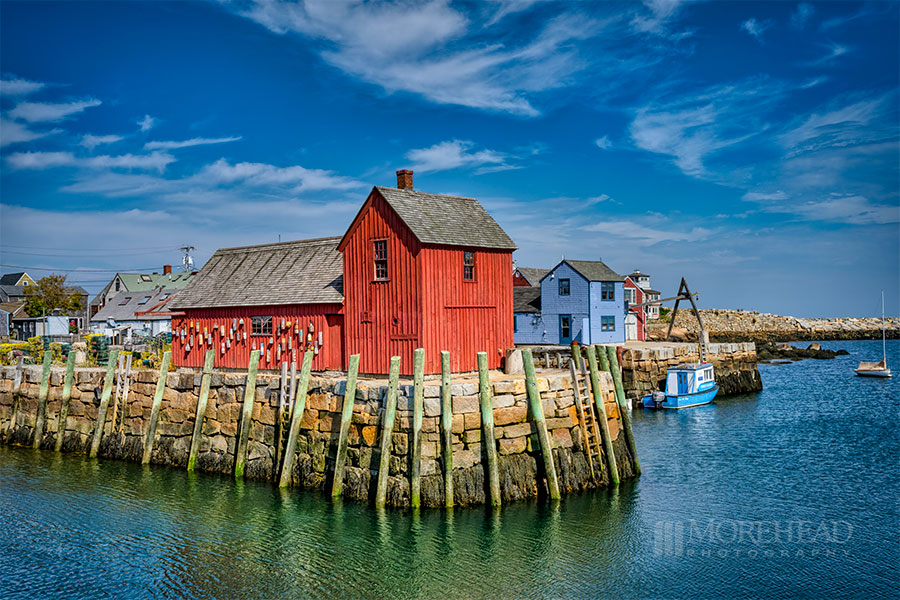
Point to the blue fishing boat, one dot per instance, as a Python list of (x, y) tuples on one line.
[(686, 385)]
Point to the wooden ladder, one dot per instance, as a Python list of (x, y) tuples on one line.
[(587, 415)]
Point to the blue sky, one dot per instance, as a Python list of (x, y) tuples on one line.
[(750, 147)]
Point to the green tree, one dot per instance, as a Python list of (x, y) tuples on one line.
[(51, 293)]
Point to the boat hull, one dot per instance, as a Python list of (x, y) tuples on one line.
[(683, 400), (873, 372)]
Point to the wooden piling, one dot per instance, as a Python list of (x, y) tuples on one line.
[(387, 428), (601, 416), (290, 449), (337, 484), (279, 415), (157, 401), (415, 471), (125, 389), (487, 428), (64, 401), (624, 413), (41, 416), (205, 379), (447, 428), (240, 455), (17, 384), (537, 414), (104, 402)]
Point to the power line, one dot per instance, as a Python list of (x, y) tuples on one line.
[(121, 270), (5, 251), (89, 249)]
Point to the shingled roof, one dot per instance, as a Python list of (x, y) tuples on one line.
[(446, 220), (532, 275), (594, 270), (526, 299), (301, 272)]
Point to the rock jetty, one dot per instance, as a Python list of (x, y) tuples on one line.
[(742, 326)]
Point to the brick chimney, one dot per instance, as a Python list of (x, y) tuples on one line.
[(404, 179), (167, 269)]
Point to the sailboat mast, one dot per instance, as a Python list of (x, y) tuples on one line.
[(883, 344)]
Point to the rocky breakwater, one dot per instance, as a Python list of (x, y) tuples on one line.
[(519, 452), (782, 352), (644, 366), (741, 325)]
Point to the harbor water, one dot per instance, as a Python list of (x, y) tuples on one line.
[(788, 493)]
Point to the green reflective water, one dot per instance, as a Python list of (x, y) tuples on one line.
[(817, 446)]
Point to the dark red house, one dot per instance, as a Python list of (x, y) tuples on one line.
[(414, 270), (634, 294), (426, 271), (280, 299)]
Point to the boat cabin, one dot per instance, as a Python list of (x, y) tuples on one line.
[(690, 378)]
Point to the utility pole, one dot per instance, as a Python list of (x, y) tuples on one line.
[(188, 261)]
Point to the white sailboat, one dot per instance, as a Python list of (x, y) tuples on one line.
[(876, 369)]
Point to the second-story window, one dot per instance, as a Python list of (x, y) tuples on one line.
[(563, 287), (607, 290), (469, 266), (381, 260)]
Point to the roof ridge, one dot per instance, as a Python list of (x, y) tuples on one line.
[(413, 191), (275, 245)]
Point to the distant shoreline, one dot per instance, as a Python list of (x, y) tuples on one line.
[(751, 326)]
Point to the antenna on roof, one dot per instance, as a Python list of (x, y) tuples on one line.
[(188, 261)]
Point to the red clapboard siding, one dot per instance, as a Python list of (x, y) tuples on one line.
[(466, 317), (640, 311), (326, 318), (426, 303), (381, 319)]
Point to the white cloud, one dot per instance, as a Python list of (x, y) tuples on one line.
[(37, 112), (765, 196), (423, 49), (40, 160), (188, 143), (801, 16), (633, 230), (155, 161), (147, 123), (844, 123), (756, 28), (603, 143), (509, 7), (92, 141), (853, 210), (661, 12), (19, 87), (833, 51), (12, 132), (261, 174), (454, 154)]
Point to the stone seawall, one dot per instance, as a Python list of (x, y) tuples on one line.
[(644, 366), (742, 325), (520, 463)]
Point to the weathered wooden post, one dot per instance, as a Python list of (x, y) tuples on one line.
[(17, 384), (279, 414), (240, 454), (415, 471), (601, 415), (624, 413), (487, 428), (387, 428), (154, 411), (537, 414), (64, 401), (340, 460), (41, 416), (104, 402), (287, 465), (205, 378), (447, 428)]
